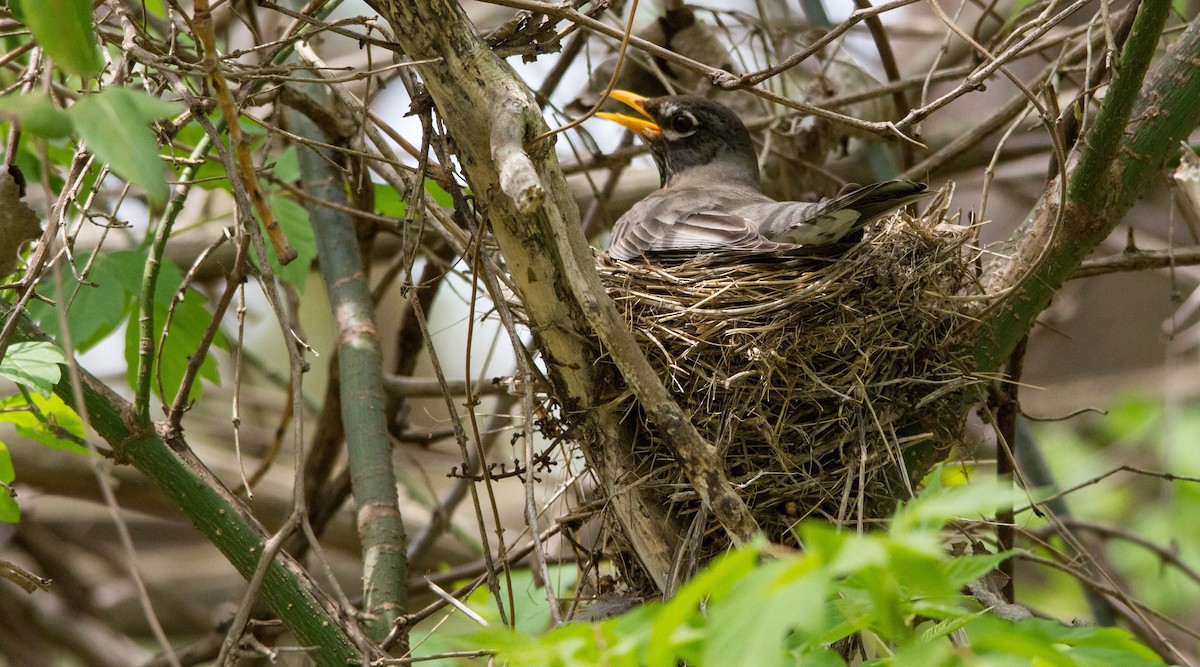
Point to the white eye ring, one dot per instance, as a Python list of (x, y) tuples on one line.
[(682, 124)]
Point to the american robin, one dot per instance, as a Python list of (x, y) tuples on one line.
[(710, 197)]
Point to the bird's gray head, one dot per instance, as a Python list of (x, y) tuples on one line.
[(687, 133)]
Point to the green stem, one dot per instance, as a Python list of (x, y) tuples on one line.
[(1102, 143), (146, 332), (294, 597), (380, 525)]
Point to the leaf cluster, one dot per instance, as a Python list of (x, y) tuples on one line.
[(899, 590)]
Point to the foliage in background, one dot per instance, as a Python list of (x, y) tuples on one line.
[(1134, 477)]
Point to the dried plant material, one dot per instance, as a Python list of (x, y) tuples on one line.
[(809, 373), (25, 579), (19, 224)]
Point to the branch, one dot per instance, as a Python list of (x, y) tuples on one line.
[(518, 178), (421, 387), (377, 505), (553, 270), (1136, 133), (1137, 260), (227, 523), (202, 26), (719, 77)]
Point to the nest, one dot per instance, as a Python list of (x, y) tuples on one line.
[(814, 376)]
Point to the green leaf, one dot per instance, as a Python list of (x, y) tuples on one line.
[(932, 654), (287, 165), (7, 473), (114, 124), (1128, 416), (965, 569), (1106, 638), (183, 336), (744, 609), (821, 657), (934, 506), (627, 635), (58, 153), (672, 628), (37, 115), (293, 220), (96, 312), (945, 628), (211, 174), (47, 420), (66, 31), (749, 625), (443, 198), (388, 201), (918, 570), (992, 635), (34, 365), (889, 606), (1089, 656), (98, 306), (10, 512), (845, 554), (155, 7), (516, 648)]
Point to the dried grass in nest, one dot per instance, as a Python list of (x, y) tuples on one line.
[(810, 374)]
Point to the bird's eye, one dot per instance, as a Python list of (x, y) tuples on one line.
[(683, 123)]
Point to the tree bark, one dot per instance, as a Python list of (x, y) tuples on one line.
[(1136, 133), (360, 377)]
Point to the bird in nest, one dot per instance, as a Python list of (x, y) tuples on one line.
[(711, 199)]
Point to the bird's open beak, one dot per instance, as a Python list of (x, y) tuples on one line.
[(644, 127)]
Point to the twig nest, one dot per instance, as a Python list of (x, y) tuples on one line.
[(813, 375)]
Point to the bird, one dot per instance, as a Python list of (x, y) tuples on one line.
[(710, 197)]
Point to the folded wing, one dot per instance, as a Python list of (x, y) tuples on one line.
[(829, 220), (664, 230)]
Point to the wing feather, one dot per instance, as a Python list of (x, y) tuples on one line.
[(829, 220), (648, 232)]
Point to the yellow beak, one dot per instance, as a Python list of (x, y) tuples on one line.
[(644, 127)]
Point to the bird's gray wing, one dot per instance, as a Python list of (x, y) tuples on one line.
[(828, 221), (659, 227)]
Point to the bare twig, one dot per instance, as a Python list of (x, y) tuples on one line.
[(202, 23)]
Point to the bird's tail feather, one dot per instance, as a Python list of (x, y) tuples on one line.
[(873, 201)]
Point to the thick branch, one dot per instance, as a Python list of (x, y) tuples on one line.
[(1137, 132), (553, 269)]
